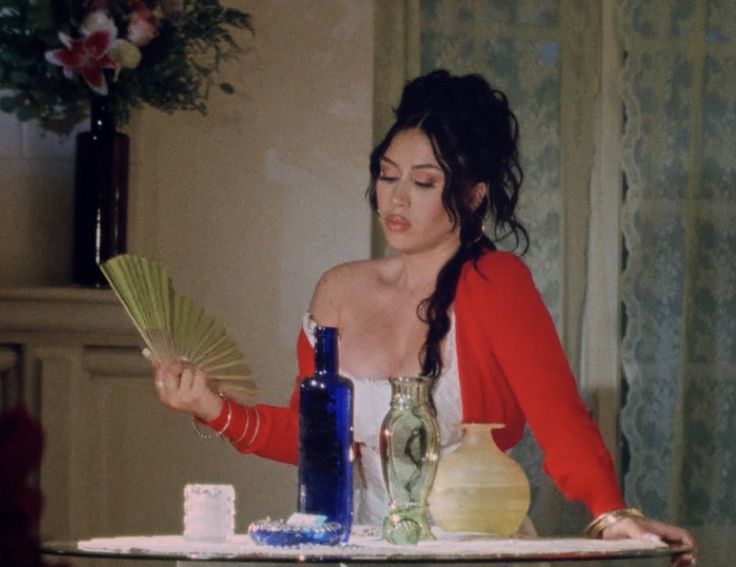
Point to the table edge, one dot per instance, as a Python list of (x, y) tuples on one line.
[(70, 549)]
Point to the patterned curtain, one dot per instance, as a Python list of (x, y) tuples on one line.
[(537, 53), (679, 278), (666, 162)]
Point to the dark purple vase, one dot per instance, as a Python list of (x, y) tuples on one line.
[(101, 195)]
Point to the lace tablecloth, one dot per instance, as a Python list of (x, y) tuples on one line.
[(367, 545)]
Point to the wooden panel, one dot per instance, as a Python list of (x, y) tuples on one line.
[(115, 460), (10, 370)]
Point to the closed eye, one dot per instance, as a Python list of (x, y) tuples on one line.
[(388, 178)]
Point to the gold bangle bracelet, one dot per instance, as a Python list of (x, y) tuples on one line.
[(245, 427), (229, 417), (202, 434), (256, 429), (601, 522)]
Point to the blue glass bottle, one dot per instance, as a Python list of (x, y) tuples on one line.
[(326, 437)]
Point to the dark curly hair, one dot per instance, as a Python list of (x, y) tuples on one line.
[(474, 136)]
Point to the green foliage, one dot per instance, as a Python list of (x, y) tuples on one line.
[(176, 70)]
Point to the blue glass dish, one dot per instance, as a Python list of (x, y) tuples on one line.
[(280, 534)]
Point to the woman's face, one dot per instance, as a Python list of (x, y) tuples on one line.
[(409, 196)]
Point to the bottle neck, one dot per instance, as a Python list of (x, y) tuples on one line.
[(101, 116), (479, 433), (409, 391), (325, 350)]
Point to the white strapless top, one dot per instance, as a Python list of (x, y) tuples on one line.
[(372, 402)]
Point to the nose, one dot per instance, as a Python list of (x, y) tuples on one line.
[(400, 194)]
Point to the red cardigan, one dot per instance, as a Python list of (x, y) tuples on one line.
[(512, 370)]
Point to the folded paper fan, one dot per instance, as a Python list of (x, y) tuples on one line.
[(172, 326)]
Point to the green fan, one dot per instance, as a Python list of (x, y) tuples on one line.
[(172, 326)]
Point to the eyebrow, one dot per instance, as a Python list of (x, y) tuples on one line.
[(418, 166)]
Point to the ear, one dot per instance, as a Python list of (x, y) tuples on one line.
[(477, 194)]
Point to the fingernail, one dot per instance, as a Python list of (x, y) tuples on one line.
[(147, 354)]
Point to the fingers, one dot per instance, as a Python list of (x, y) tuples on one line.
[(184, 388), (167, 378), (186, 381), (648, 528), (193, 382), (675, 535), (652, 529), (148, 355), (627, 528), (166, 384), (669, 533)]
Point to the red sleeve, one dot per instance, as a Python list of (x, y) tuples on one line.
[(512, 321), (268, 431)]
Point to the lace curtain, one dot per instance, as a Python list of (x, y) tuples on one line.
[(679, 277), (664, 185), (537, 53)]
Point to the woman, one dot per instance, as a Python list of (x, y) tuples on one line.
[(447, 305)]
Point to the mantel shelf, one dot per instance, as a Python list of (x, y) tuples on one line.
[(69, 294), (63, 312)]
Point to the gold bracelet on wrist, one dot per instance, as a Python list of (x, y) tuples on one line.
[(203, 435), (601, 522), (257, 427), (245, 427), (229, 418)]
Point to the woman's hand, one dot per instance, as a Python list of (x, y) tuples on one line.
[(648, 528), (183, 388)]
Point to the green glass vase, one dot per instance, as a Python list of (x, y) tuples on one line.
[(409, 454)]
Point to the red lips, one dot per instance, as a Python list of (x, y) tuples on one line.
[(397, 223)]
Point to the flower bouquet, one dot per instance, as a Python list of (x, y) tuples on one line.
[(63, 59), (57, 54)]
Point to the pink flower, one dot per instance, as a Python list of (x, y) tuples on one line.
[(86, 56), (142, 27)]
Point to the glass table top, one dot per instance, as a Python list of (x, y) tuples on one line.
[(365, 546)]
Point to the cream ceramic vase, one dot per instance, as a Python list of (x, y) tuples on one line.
[(478, 488)]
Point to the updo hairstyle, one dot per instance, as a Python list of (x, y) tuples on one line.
[(474, 136)]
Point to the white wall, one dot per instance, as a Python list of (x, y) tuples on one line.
[(250, 204), (246, 206), (36, 192)]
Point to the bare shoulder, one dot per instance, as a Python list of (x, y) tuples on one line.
[(342, 277), (336, 286)]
